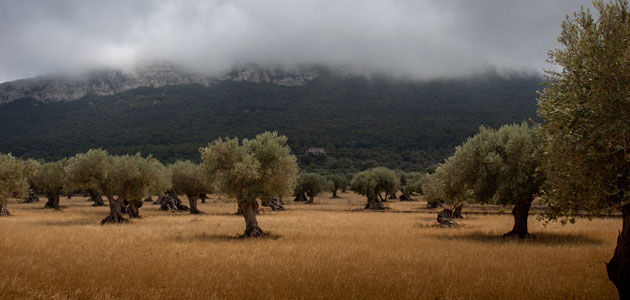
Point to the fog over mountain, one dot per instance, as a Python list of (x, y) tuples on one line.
[(420, 39)]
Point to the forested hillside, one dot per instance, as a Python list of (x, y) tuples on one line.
[(360, 122)]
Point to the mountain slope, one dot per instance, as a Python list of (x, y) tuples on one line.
[(360, 122)]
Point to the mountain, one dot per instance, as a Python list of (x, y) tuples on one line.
[(57, 88), (359, 121)]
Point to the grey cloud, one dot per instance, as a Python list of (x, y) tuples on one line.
[(421, 39)]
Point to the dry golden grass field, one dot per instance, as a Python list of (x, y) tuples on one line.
[(327, 250)]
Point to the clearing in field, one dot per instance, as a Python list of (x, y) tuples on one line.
[(327, 250)]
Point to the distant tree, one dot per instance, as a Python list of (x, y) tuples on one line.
[(50, 177), (188, 179), (338, 182), (311, 184), (409, 183), (12, 181), (131, 178), (494, 166), (373, 183), (30, 166), (586, 108), (86, 171), (259, 168)]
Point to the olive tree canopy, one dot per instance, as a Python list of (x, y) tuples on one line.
[(262, 167), (13, 180), (586, 108)]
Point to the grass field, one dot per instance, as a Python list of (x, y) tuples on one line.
[(327, 250)]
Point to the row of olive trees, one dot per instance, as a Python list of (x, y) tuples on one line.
[(246, 170)]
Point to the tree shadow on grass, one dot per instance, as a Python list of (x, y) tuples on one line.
[(536, 238), (70, 222), (208, 237)]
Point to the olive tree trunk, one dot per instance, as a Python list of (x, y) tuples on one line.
[(96, 198), (311, 198), (619, 266), (132, 208), (374, 203), (520, 213), (4, 211), (334, 194), (249, 209), (115, 211), (192, 199), (203, 197), (53, 201)]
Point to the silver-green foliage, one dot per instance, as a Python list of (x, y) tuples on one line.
[(494, 166), (188, 178), (13, 180), (587, 113), (262, 167), (371, 183)]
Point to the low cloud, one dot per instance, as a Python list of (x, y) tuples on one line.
[(420, 39)]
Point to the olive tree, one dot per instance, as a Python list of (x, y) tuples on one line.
[(30, 167), (586, 108), (86, 171), (12, 180), (409, 183), (262, 167), (337, 182), (188, 179), (494, 166), (311, 184), (50, 178), (372, 183)]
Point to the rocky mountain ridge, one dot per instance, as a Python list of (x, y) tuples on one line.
[(57, 88)]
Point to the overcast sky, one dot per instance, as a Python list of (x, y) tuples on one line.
[(417, 38)]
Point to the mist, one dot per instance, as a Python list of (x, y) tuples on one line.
[(419, 39)]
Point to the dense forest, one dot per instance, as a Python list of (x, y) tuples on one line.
[(361, 122)]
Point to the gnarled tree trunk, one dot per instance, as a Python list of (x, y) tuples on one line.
[(32, 197), (192, 199), (619, 266), (4, 211), (203, 197), (300, 197), (250, 208), (457, 212), (445, 218), (132, 208), (274, 203), (53, 201), (170, 201), (405, 197), (334, 194), (115, 211), (374, 203), (393, 196), (433, 204), (96, 198), (311, 198), (520, 213)]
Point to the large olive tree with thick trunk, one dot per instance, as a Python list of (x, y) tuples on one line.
[(586, 108), (494, 166), (373, 183), (13, 180), (262, 167), (188, 179), (50, 177), (311, 184)]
